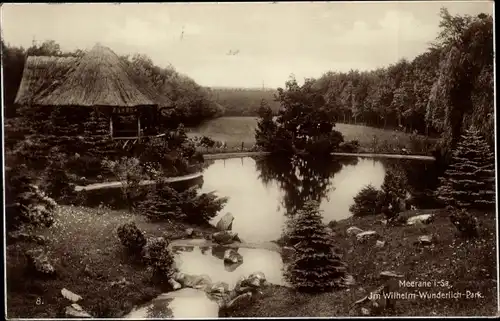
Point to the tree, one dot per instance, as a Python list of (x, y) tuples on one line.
[(469, 181), (454, 104), (314, 266), (305, 120), (266, 127)]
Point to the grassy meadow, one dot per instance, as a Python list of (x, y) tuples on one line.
[(238, 129), (466, 265), (90, 261)]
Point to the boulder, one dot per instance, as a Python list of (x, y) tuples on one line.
[(224, 237), (189, 232), (366, 235), (225, 223), (76, 311), (348, 280), (240, 301), (38, 262), (232, 257), (353, 230), (425, 240), (200, 282), (256, 279), (423, 218), (73, 297), (390, 274), (241, 286), (174, 284), (379, 244)]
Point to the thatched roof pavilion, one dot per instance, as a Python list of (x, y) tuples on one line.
[(99, 79)]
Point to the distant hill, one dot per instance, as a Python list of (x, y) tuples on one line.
[(243, 101)]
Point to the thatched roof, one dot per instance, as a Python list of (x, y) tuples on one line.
[(99, 78)]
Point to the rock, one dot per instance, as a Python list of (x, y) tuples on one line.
[(424, 240), (348, 280), (122, 282), (240, 301), (174, 284), (241, 286), (189, 232), (423, 218), (256, 279), (200, 282), (225, 223), (220, 288), (76, 311), (70, 295), (365, 311), (353, 230), (38, 261), (379, 244), (366, 235), (224, 237), (232, 257), (389, 274)]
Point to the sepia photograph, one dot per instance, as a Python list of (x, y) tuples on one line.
[(249, 160)]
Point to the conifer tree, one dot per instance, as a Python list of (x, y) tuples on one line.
[(469, 181), (314, 267)]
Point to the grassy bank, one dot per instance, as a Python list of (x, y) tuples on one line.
[(88, 258), (237, 130), (465, 265)]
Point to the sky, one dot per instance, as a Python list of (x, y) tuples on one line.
[(272, 40)]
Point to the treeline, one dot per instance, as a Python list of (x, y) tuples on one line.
[(244, 101), (191, 103), (441, 91), (444, 90)]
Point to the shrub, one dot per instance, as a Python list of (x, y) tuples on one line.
[(131, 237), (157, 255), (465, 223), (165, 203), (394, 192), (26, 205), (129, 172), (314, 267), (56, 182), (367, 202), (349, 146)]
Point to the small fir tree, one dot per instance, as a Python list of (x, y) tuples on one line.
[(314, 267), (394, 192), (469, 181)]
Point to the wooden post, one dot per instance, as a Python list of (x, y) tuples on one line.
[(111, 125)]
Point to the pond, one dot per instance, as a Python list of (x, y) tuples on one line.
[(261, 191), (196, 260)]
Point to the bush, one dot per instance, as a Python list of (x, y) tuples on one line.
[(351, 146), (394, 192), (131, 237), (465, 223), (129, 172), (367, 202), (26, 205), (56, 182), (157, 255), (165, 203)]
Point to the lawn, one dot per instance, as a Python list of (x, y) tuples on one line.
[(235, 130), (465, 265), (88, 257)]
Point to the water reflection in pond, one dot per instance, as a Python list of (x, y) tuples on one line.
[(196, 260), (261, 191)]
